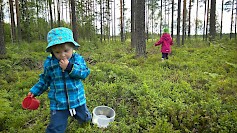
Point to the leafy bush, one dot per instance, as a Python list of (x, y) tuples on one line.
[(194, 91)]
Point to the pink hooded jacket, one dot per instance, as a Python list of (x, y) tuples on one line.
[(166, 42)]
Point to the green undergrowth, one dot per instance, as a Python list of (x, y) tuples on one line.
[(193, 91)]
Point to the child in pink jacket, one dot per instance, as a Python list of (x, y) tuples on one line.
[(165, 42)]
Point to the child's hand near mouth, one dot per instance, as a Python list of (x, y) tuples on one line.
[(63, 63)]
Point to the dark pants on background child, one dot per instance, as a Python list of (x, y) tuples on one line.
[(58, 119), (165, 56)]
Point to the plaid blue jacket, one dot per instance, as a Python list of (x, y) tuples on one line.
[(62, 98)]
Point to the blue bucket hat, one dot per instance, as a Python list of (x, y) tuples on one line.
[(58, 36)]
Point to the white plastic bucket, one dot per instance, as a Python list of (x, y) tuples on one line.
[(102, 116)]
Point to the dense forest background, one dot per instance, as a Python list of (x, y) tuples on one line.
[(194, 91), (100, 19)]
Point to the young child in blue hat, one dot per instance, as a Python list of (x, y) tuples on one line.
[(63, 74)]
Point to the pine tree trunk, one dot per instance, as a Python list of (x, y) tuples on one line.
[(101, 21), (74, 21), (133, 33), (152, 20), (114, 22), (58, 9), (13, 26), (178, 23), (196, 22), (184, 22), (189, 18), (207, 24), (161, 18), (50, 13), (172, 20), (235, 20), (232, 17), (222, 9), (121, 22), (140, 29), (2, 42), (147, 8), (18, 21), (54, 10), (204, 24), (213, 20), (108, 19)]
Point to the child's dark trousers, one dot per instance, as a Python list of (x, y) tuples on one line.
[(164, 55), (58, 119)]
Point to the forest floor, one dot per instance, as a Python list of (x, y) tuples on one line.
[(193, 91)]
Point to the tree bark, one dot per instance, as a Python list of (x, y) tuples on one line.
[(152, 19), (58, 9), (2, 42), (74, 21), (208, 5), (101, 21), (18, 16), (161, 18), (50, 13), (140, 29), (13, 26), (235, 20), (133, 33), (122, 21), (172, 20), (222, 9), (108, 19), (196, 21), (213, 20), (147, 8), (232, 17), (189, 18), (184, 22), (114, 23), (178, 22), (204, 24)]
